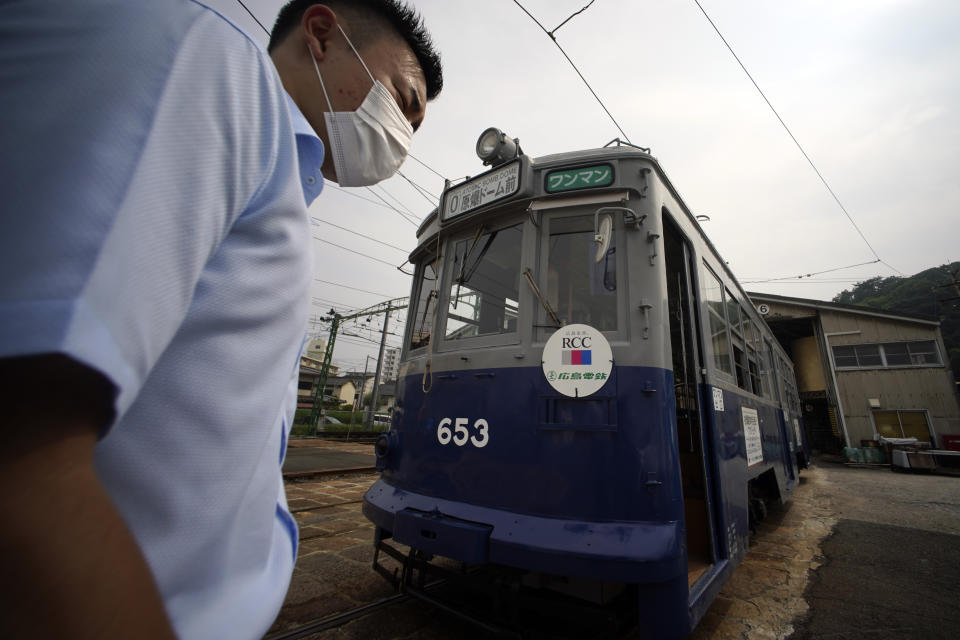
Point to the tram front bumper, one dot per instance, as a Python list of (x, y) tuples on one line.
[(633, 552)]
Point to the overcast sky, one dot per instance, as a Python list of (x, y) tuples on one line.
[(870, 88)]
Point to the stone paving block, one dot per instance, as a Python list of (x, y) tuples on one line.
[(715, 626), (334, 570)]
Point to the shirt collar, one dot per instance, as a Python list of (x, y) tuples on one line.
[(309, 152)]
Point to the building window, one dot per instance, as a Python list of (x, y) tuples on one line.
[(902, 424), (305, 384), (921, 353)]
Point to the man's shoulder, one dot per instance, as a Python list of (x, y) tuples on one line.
[(159, 23), (229, 26)]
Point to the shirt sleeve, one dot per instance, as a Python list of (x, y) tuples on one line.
[(137, 136)]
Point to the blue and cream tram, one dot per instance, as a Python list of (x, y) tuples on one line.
[(586, 396)]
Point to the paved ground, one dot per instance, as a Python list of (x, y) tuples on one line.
[(310, 454), (891, 568), (817, 568)]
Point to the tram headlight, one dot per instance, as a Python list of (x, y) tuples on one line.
[(494, 147)]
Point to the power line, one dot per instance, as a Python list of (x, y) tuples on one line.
[(339, 307), (550, 33), (399, 213), (410, 155), (357, 195), (357, 233), (359, 253), (346, 338), (337, 284), (343, 306), (814, 281), (815, 273), (394, 198), (571, 17), (428, 196), (794, 138), (265, 30)]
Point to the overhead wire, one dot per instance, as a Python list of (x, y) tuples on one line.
[(571, 17), (814, 273), (354, 251), (357, 233), (575, 68), (255, 19), (424, 164), (794, 138), (337, 284), (339, 307), (400, 213), (357, 195), (427, 195), (394, 198)]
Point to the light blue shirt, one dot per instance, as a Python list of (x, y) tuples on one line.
[(154, 227)]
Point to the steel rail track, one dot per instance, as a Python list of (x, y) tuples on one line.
[(338, 619)]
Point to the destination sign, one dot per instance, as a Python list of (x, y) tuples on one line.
[(579, 178), (490, 187)]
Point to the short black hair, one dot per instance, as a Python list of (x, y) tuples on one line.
[(405, 20)]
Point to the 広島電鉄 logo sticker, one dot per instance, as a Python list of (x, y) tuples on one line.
[(577, 360)]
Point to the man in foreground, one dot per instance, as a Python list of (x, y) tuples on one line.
[(156, 260)]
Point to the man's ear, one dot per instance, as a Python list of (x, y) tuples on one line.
[(318, 25)]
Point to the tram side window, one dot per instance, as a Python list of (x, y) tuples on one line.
[(789, 387), (485, 283), (784, 387), (580, 288), (424, 307), (713, 295), (769, 371), (752, 338), (739, 347)]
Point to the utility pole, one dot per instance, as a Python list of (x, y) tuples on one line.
[(955, 284), (324, 371), (336, 321), (358, 402), (376, 377)]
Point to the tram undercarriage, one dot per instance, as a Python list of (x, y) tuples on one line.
[(504, 602)]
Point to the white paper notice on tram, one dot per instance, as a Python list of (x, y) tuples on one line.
[(751, 435)]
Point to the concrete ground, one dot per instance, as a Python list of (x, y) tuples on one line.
[(891, 567), (820, 567), (306, 455)]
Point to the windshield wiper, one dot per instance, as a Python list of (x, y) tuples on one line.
[(543, 301), (462, 276)]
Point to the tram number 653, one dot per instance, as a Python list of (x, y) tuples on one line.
[(460, 434)]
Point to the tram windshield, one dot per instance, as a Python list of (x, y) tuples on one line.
[(580, 288), (423, 309), (485, 282)]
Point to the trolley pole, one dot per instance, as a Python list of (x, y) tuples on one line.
[(376, 377)]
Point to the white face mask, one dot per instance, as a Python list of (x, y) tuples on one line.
[(369, 144)]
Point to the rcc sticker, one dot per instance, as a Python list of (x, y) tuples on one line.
[(577, 360)]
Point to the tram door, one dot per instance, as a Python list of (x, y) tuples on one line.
[(687, 355)]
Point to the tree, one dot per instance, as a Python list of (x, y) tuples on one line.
[(927, 293)]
